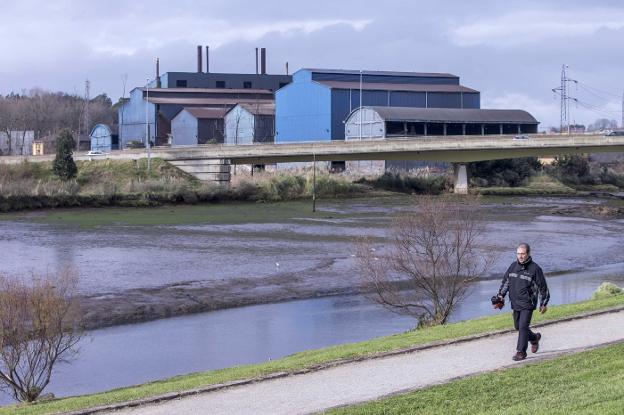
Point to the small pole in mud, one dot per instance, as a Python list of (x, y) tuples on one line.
[(314, 182)]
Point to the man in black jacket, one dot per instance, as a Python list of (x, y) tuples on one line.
[(524, 280)]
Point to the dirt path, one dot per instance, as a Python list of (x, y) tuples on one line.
[(371, 379)]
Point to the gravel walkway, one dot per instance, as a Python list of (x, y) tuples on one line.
[(371, 379)]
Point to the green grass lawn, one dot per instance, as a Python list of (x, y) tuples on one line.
[(586, 383), (309, 359)]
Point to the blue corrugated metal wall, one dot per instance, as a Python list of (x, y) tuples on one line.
[(471, 100), (408, 99), (444, 100), (303, 112)]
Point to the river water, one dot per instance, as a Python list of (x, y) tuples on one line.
[(577, 254)]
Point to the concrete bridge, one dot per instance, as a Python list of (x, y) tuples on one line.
[(212, 162)]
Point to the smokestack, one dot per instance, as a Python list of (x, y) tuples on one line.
[(286, 68), (199, 59), (157, 73), (256, 61), (263, 61), (207, 59)]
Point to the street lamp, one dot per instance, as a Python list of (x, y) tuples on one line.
[(360, 105), (147, 129)]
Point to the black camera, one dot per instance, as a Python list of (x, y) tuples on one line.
[(498, 302)]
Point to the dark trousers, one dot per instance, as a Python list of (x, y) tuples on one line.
[(522, 319)]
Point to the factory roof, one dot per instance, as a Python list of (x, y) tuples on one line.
[(380, 86), (260, 108), (387, 73), (206, 113), (454, 115)]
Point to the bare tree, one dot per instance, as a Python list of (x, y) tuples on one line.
[(39, 326), (430, 263)]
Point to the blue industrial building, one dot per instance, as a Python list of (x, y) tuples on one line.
[(318, 101)]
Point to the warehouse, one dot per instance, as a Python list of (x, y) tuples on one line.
[(193, 126), (318, 101), (386, 122), (250, 124)]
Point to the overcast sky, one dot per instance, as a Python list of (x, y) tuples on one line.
[(510, 51)]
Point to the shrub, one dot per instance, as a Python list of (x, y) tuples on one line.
[(606, 289), (420, 184), (506, 172), (63, 165)]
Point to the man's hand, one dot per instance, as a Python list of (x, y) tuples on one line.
[(543, 309)]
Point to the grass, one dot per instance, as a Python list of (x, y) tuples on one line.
[(591, 382), (540, 184), (307, 359)]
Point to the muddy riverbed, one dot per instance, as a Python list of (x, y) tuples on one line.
[(143, 264)]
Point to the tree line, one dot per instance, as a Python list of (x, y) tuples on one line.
[(46, 113)]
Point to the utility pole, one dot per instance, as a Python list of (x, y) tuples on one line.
[(564, 117), (147, 127), (87, 116)]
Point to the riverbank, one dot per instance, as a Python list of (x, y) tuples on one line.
[(106, 183), (313, 360)]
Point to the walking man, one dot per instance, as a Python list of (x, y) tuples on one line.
[(524, 280)]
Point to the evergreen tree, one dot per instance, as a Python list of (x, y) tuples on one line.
[(64, 166)]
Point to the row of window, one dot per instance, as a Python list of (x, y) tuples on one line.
[(182, 83)]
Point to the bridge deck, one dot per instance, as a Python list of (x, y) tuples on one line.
[(439, 148)]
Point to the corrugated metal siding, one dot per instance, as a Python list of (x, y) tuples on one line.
[(239, 125), (340, 109), (392, 79), (407, 99), (184, 130), (101, 138), (443, 100), (133, 127), (471, 100), (210, 130), (303, 112)]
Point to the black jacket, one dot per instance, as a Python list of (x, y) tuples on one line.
[(524, 282)]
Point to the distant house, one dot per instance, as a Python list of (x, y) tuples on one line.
[(250, 123), (44, 145), (104, 138), (193, 126)]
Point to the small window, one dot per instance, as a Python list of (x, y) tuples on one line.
[(247, 85), (220, 84), (181, 83)]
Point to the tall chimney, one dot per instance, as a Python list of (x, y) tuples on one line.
[(256, 61), (199, 59), (207, 59), (157, 73), (263, 61)]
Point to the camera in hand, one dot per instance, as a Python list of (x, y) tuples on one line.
[(498, 302)]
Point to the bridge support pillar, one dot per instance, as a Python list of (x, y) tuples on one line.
[(460, 179), (209, 170)]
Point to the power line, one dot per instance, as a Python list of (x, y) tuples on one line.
[(564, 117)]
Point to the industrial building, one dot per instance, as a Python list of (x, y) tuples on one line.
[(193, 126), (387, 122), (151, 109), (104, 138), (318, 101), (250, 124)]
